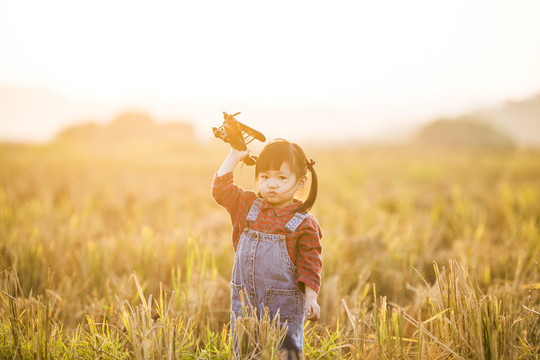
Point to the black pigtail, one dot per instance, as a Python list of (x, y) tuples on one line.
[(310, 201)]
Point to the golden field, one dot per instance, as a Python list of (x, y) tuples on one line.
[(121, 253)]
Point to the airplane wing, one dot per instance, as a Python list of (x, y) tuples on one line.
[(250, 132)]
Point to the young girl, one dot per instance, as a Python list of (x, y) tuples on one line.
[(277, 242)]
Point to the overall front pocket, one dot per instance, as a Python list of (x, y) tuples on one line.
[(286, 302), (236, 304)]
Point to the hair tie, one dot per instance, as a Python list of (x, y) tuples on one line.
[(310, 163)]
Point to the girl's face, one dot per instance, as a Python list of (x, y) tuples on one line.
[(279, 186)]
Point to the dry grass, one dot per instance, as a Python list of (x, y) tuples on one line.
[(427, 255)]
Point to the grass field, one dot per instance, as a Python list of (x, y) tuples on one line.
[(122, 253)]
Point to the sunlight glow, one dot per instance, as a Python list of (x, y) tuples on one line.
[(391, 59)]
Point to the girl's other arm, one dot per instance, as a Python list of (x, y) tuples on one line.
[(225, 192), (313, 310), (309, 265), (230, 162)]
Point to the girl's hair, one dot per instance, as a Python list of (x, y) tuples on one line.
[(281, 151)]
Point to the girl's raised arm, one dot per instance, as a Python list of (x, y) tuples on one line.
[(230, 162), (225, 192)]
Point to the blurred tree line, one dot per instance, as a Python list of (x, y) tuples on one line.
[(464, 132), (509, 126), (129, 128)]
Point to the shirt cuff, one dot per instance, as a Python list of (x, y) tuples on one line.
[(223, 178), (302, 282)]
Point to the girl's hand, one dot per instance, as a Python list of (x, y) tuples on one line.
[(313, 310)]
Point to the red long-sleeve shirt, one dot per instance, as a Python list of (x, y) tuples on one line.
[(304, 245)]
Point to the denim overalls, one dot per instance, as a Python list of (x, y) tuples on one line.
[(264, 271)]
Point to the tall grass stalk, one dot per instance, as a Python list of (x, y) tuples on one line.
[(11, 298), (151, 330), (257, 336), (469, 323)]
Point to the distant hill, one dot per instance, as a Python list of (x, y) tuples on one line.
[(130, 128), (40, 114), (508, 125), (464, 132), (521, 119)]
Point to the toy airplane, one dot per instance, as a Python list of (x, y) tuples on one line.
[(238, 135)]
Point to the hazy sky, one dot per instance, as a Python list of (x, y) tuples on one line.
[(362, 62)]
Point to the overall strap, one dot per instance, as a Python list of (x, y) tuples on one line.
[(296, 220), (255, 209)]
